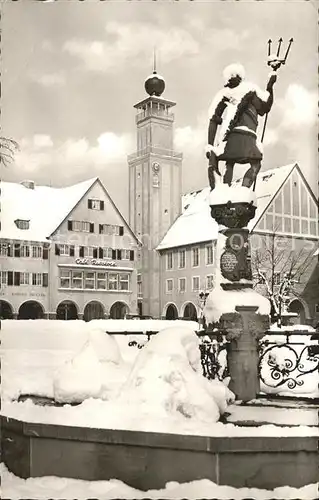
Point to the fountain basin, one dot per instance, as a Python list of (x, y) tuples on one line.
[(148, 460)]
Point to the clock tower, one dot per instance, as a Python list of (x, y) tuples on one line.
[(155, 187)]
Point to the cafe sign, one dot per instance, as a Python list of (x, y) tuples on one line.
[(95, 262)]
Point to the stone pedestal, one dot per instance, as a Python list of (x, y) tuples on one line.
[(240, 311), (244, 329)]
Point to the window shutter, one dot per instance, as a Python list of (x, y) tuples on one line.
[(81, 251), (45, 280), (100, 228), (45, 253), (121, 230), (94, 253), (113, 254), (118, 254), (57, 249), (17, 250), (91, 227), (72, 251), (100, 253), (16, 279), (131, 254), (10, 278), (102, 205), (70, 225), (89, 203)]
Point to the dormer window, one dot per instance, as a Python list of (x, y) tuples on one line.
[(22, 223)]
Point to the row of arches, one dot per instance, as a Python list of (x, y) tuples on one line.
[(189, 311), (66, 310)]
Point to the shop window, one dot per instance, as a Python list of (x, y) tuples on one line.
[(124, 281), (89, 280), (101, 280), (112, 281), (77, 279), (65, 278)]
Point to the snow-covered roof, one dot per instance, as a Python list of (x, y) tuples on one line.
[(195, 224), (44, 206)]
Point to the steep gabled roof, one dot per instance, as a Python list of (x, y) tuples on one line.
[(195, 224), (45, 207)]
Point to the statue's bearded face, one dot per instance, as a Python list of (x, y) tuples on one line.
[(233, 82)]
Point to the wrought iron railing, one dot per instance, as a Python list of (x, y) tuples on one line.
[(288, 362)]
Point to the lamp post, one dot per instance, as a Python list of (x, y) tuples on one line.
[(202, 296)]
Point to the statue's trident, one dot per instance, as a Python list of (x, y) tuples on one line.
[(274, 61)]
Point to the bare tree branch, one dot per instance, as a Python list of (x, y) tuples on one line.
[(8, 148)]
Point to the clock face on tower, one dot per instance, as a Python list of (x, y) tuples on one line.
[(156, 167)]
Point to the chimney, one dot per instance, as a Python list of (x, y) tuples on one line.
[(28, 184)]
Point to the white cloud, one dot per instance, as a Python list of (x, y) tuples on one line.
[(50, 79), (299, 107), (42, 141), (74, 154), (132, 42)]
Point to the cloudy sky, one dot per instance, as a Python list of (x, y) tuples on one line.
[(72, 72)]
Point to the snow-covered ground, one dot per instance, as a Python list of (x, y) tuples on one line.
[(158, 388), (53, 487)]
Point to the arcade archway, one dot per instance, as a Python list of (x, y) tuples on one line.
[(190, 312), (31, 310), (119, 310), (67, 310), (297, 307), (6, 310), (171, 312), (93, 310)]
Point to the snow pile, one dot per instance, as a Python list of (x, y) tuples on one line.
[(232, 70), (80, 378), (167, 379), (221, 302), (58, 487), (105, 346), (223, 193), (233, 97)]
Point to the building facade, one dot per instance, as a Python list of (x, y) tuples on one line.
[(65, 253), (155, 177)]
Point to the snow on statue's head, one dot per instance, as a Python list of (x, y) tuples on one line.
[(233, 71)]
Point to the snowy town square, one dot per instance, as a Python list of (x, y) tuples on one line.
[(159, 250)]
